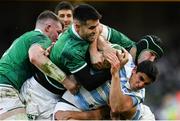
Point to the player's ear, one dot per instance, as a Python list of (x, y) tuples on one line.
[(77, 24), (47, 27)]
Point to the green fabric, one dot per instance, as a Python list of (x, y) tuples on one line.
[(15, 64), (119, 38), (69, 52)]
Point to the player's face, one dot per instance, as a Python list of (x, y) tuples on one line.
[(147, 55), (66, 17), (90, 30), (55, 28), (139, 80)]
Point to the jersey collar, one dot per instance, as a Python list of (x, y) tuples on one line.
[(75, 33), (38, 30)]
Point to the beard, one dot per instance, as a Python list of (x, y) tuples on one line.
[(92, 37)]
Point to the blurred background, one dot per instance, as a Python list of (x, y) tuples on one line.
[(134, 19)]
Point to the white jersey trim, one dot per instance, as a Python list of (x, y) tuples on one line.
[(79, 68)]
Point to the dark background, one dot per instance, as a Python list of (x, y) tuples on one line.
[(134, 19)]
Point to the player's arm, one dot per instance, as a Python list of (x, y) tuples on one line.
[(128, 114), (96, 56), (119, 102), (98, 51), (91, 81), (42, 62), (97, 114)]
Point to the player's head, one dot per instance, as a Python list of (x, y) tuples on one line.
[(144, 74), (86, 21), (64, 10), (149, 48), (49, 24)]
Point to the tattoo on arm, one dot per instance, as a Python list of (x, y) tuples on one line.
[(53, 71)]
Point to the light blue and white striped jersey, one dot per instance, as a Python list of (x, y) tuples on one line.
[(87, 100)]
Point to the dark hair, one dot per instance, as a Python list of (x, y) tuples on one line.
[(63, 5), (47, 14), (149, 68), (84, 12), (151, 43)]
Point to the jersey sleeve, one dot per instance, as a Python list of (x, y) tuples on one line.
[(137, 96), (116, 37), (73, 60), (42, 40)]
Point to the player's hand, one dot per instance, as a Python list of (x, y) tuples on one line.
[(123, 57), (109, 51), (112, 58), (71, 84), (48, 50)]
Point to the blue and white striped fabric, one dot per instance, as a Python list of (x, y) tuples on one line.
[(86, 100)]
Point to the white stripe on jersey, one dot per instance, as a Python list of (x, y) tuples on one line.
[(105, 32), (79, 68), (91, 100), (102, 93)]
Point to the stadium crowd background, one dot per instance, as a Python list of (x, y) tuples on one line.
[(134, 19)]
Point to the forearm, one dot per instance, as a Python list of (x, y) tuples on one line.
[(128, 114), (89, 81), (97, 114), (115, 93), (93, 48), (118, 101), (103, 44), (43, 63), (93, 52), (52, 71)]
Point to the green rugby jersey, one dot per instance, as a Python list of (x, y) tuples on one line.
[(15, 64), (70, 50), (116, 37)]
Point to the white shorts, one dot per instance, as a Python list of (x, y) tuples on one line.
[(40, 102), (63, 106), (11, 105), (146, 113)]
